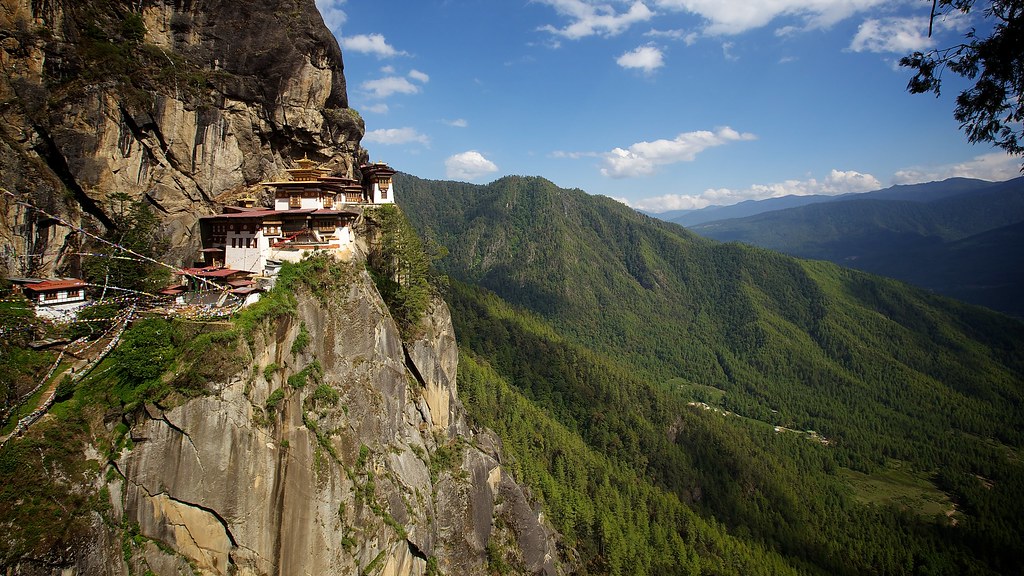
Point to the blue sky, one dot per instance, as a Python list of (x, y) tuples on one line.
[(662, 104)]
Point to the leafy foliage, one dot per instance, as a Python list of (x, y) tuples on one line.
[(400, 267), (136, 229), (993, 109)]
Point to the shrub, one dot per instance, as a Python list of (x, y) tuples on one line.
[(301, 340), (274, 399), (325, 394)]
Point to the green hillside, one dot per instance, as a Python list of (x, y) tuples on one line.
[(919, 240), (829, 421)]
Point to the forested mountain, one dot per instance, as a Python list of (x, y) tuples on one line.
[(674, 401), (939, 240), (911, 192)]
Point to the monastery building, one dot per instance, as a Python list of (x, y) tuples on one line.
[(311, 211)]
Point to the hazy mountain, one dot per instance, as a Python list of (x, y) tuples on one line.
[(911, 192), (591, 333), (915, 240), (740, 210)]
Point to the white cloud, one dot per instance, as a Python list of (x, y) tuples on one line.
[(642, 158), (994, 166), (332, 13), (902, 35), (457, 123), (590, 19), (370, 44), (380, 108), (892, 35), (468, 166), (419, 76), (837, 182), (727, 51), (384, 87), (689, 38), (574, 155), (390, 136), (646, 58), (736, 16)]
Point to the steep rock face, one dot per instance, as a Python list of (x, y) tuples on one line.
[(182, 104), (366, 467)]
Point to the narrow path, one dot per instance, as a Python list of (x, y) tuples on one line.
[(90, 355)]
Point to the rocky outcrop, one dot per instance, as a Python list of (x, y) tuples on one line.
[(348, 455), (179, 104), (336, 448)]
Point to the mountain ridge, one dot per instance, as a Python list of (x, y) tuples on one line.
[(909, 240), (923, 192), (867, 363)]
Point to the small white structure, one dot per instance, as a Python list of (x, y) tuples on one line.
[(377, 183), (58, 300), (246, 240)]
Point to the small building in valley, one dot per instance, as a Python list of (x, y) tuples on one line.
[(57, 299)]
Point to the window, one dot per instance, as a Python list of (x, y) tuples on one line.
[(295, 201), (233, 243)]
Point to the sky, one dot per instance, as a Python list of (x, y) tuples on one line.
[(661, 104)]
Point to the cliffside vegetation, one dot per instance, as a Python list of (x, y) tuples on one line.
[(48, 493), (399, 263), (672, 397)]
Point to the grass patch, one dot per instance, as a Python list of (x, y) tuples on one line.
[(696, 392), (898, 486)]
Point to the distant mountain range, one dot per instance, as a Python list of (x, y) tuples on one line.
[(962, 238), (911, 192)]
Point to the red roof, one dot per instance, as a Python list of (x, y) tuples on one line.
[(240, 283), (257, 214), (50, 285), (242, 209), (213, 272), (264, 213)]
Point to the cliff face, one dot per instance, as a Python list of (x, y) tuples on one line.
[(179, 104), (332, 447)]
